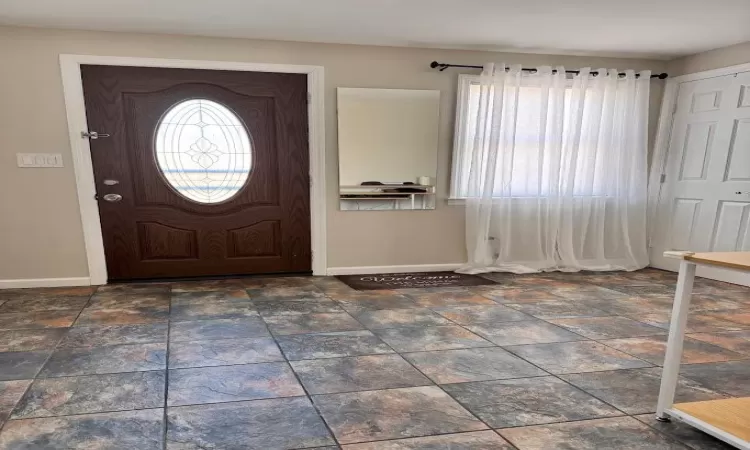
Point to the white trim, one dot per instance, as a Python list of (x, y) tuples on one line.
[(659, 154), (44, 282), (70, 66), (75, 111), (317, 142), (362, 270), (731, 70)]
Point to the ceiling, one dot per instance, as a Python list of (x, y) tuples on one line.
[(636, 28)]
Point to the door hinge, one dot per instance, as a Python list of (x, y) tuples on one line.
[(663, 178), (309, 98), (93, 135)]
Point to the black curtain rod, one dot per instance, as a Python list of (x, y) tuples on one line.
[(443, 66)]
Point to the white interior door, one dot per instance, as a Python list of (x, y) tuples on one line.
[(705, 200)]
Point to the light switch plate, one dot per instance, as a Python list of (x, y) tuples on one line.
[(39, 159)]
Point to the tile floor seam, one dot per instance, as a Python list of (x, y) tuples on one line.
[(568, 382), (662, 364), (575, 373), (664, 433), (546, 375), (299, 381), (61, 377), (402, 355), (415, 368), (443, 390), (702, 384), (687, 339), (513, 447), (617, 416), (650, 365), (96, 374), (307, 395), (165, 417), (432, 308), (338, 357), (103, 411), (671, 439), (262, 399), (88, 413), (431, 382), (41, 367), (280, 361)]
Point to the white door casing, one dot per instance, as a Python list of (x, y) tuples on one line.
[(705, 200)]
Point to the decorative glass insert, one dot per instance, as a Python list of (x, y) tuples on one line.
[(203, 150)]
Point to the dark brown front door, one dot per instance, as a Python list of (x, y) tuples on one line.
[(204, 172)]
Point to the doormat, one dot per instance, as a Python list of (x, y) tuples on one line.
[(412, 280)]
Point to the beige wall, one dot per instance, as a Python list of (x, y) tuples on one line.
[(713, 59), (40, 227), (387, 135)]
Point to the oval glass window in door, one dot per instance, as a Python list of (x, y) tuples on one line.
[(203, 150)]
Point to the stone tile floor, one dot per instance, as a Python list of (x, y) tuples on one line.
[(550, 361)]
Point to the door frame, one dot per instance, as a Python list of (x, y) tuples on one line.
[(664, 137), (75, 110)]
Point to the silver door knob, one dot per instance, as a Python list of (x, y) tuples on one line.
[(112, 197)]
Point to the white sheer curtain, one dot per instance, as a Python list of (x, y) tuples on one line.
[(556, 171)]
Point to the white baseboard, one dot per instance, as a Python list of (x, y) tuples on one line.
[(362, 270), (44, 282)]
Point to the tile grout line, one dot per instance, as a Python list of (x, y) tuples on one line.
[(585, 339), (472, 414), (576, 373), (671, 439), (603, 342), (662, 432), (438, 386), (401, 354), (44, 364), (165, 418), (299, 381), (189, 405), (90, 413), (490, 430), (541, 376), (625, 414), (497, 346)]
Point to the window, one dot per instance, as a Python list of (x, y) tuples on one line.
[(203, 150), (530, 174)]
